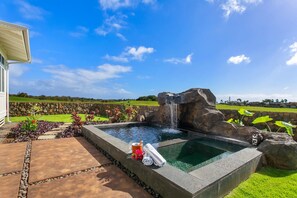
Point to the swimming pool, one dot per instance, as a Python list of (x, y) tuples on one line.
[(148, 134), (193, 154), (212, 180)]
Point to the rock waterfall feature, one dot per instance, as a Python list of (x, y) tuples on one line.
[(195, 110)]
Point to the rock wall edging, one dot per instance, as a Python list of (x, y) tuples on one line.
[(22, 108), (287, 117)]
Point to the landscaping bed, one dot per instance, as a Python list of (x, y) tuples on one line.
[(20, 134)]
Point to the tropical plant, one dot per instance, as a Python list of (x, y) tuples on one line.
[(76, 120), (122, 114), (31, 124), (263, 119), (243, 113), (19, 134), (90, 117), (287, 125)]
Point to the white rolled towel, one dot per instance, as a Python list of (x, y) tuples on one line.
[(154, 154), (147, 160)]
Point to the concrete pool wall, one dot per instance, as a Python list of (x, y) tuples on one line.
[(213, 180)]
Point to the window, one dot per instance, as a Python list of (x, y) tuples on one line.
[(2, 59), (1, 79), (2, 74)]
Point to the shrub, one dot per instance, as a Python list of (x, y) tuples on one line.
[(20, 134)]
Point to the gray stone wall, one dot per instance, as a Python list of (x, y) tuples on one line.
[(22, 108), (287, 117)]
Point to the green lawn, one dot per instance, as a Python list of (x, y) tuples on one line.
[(268, 182), (252, 108), (55, 118), (155, 103), (132, 102), (23, 99)]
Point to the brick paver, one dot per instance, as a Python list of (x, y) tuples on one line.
[(53, 158), (106, 182), (12, 157), (9, 186), (4, 130)]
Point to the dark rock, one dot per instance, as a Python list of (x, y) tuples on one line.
[(280, 152), (164, 97), (196, 109), (204, 97), (224, 129)]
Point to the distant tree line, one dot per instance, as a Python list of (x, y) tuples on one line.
[(79, 99), (148, 98), (263, 103)]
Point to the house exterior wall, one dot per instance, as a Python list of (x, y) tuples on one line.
[(3, 87)]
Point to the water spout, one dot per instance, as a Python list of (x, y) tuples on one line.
[(173, 115)]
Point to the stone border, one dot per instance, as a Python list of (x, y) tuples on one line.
[(69, 174), (220, 177), (24, 183)]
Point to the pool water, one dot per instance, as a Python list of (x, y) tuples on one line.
[(196, 153), (148, 134)]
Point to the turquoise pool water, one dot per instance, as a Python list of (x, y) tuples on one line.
[(196, 153), (187, 156), (148, 134)]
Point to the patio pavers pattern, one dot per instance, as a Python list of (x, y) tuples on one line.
[(58, 157), (12, 157), (106, 182), (69, 167), (9, 186)]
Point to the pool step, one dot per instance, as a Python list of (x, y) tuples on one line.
[(226, 174)]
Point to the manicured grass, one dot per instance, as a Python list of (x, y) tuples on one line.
[(268, 182), (22, 99), (56, 118), (252, 108), (155, 103), (132, 102)]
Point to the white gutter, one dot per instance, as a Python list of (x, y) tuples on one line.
[(7, 94)]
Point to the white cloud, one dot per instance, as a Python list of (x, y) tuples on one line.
[(114, 4), (131, 53), (138, 53), (17, 70), (187, 60), (98, 82), (113, 24), (149, 1), (29, 11), (79, 32), (122, 91), (122, 37), (235, 6), (37, 61), (293, 59), (232, 6), (239, 59), (34, 34), (256, 96), (83, 76), (116, 58), (117, 4)]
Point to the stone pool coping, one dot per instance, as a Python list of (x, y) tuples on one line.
[(213, 180)]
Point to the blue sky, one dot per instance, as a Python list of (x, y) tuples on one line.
[(128, 48)]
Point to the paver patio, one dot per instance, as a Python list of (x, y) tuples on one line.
[(12, 157), (69, 167)]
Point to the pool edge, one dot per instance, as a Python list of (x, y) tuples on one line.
[(169, 181)]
